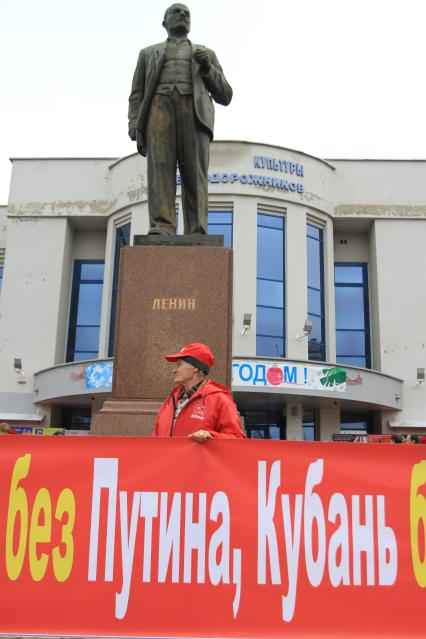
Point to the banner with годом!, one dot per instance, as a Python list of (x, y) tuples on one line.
[(295, 375)]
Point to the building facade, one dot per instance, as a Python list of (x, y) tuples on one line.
[(329, 279)]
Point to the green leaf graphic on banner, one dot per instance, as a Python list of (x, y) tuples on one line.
[(333, 376)]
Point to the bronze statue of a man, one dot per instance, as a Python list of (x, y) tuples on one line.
[(171, 117)]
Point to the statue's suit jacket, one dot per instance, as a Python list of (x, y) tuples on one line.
[(205, 87)]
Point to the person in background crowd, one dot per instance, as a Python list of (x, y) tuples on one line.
[(6, 429), (197, 407), (411, 439), (396, 439)]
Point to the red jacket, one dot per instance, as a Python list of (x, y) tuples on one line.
[(211, 408)]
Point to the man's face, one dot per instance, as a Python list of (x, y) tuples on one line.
[(185, 374), (177, 20), (5, 427)]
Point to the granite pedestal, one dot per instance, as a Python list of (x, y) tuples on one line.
[(168, 296)]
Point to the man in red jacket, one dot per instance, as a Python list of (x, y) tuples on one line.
[(197, 407), (6, 429)]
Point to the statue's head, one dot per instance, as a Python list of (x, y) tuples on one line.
[(177, 19)]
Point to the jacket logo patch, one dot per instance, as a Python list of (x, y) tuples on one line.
[(198, 412)]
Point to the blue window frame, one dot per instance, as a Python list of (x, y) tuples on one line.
[(315, 256), (85, 313), (220, 223), (270, 306), (352, 314), (122, 238)]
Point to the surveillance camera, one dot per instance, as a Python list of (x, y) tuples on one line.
[(307, 328)]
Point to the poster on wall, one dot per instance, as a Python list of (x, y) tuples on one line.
[(23, 430), (38, 430), (99, 376)]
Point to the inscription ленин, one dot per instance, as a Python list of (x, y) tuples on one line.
[(173, 304)]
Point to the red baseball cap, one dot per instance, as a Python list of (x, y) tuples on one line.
[(196, 351)]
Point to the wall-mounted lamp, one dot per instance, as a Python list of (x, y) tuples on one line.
[(246, 323), (307, 330), (420, 376), (17, 365)]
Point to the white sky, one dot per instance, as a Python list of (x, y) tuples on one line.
[(334, 78)]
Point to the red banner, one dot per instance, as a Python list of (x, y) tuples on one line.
[(170, 538)]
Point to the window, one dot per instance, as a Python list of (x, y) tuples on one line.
[(220, 223), (352, 315), (309, 431), (85, 314), (315, 255), (356, 423), (122, 238), (264, 424), (270, 317), (75, 418)]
